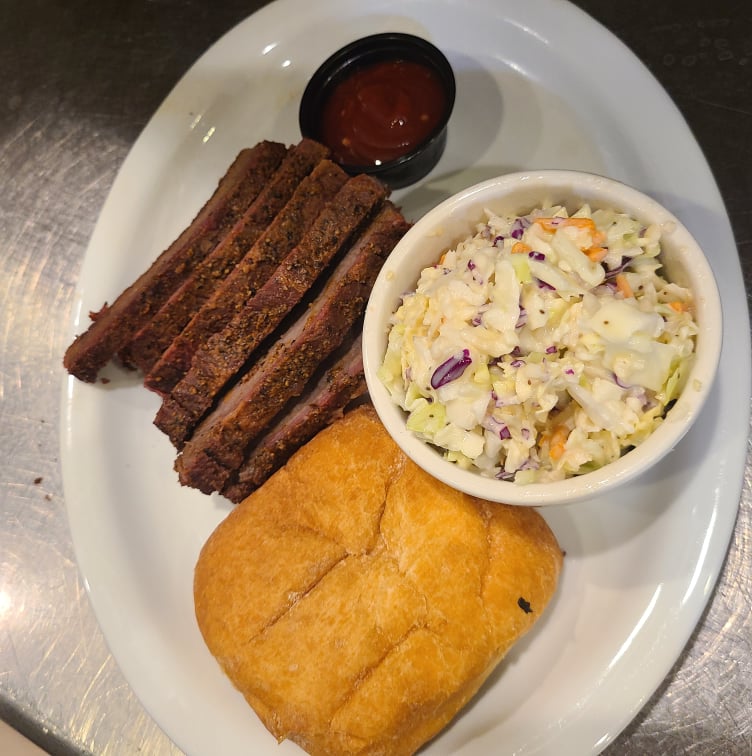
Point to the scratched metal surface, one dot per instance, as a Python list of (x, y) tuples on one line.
[(78, 81)]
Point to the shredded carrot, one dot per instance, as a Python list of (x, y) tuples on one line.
[(551, 224), (442, 258), (678, 306), (596, 254), (623, 286), (519, 248), (557, 442), (599, 238)]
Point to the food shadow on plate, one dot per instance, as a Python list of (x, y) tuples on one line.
[(472, 130), (503, 122), (436, 189), (114, 377)]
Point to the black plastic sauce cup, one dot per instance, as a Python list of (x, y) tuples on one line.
[(365, 52)]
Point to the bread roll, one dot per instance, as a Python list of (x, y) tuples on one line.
[(357, 603)]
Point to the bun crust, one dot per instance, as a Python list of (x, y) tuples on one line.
[(357, 603)]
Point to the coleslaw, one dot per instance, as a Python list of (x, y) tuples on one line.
[(544, 346)]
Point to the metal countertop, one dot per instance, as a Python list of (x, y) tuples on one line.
[(79, 81)]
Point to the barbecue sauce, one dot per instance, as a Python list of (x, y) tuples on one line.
[(382, 112)]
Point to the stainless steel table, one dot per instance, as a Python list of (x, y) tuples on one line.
[(78, 81)]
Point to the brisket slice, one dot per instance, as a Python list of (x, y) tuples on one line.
[(231, 347), (217, 448), (285, 231), (114, 325), (157, 334), (324, 403)]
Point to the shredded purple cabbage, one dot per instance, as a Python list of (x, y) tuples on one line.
[(619, 382), (496, 427), (552, 349), (517, 363), (450, 369), (533, 255), (522, 319), (518, 228), (528, 464), (613, 272), (544, 285)]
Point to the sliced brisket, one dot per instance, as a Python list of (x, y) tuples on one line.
[(218, 446), (228, 350), (337, 388), (285, 231), (114, 325), (157, 334)]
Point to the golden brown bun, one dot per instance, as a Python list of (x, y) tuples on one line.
[(357, 603)]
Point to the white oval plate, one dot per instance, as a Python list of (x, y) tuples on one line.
[(640, 566)]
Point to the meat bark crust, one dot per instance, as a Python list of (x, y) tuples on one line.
[(157, 334), (114, 325), (285, 231), (326, 402), (229, 349), (217, 448)]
